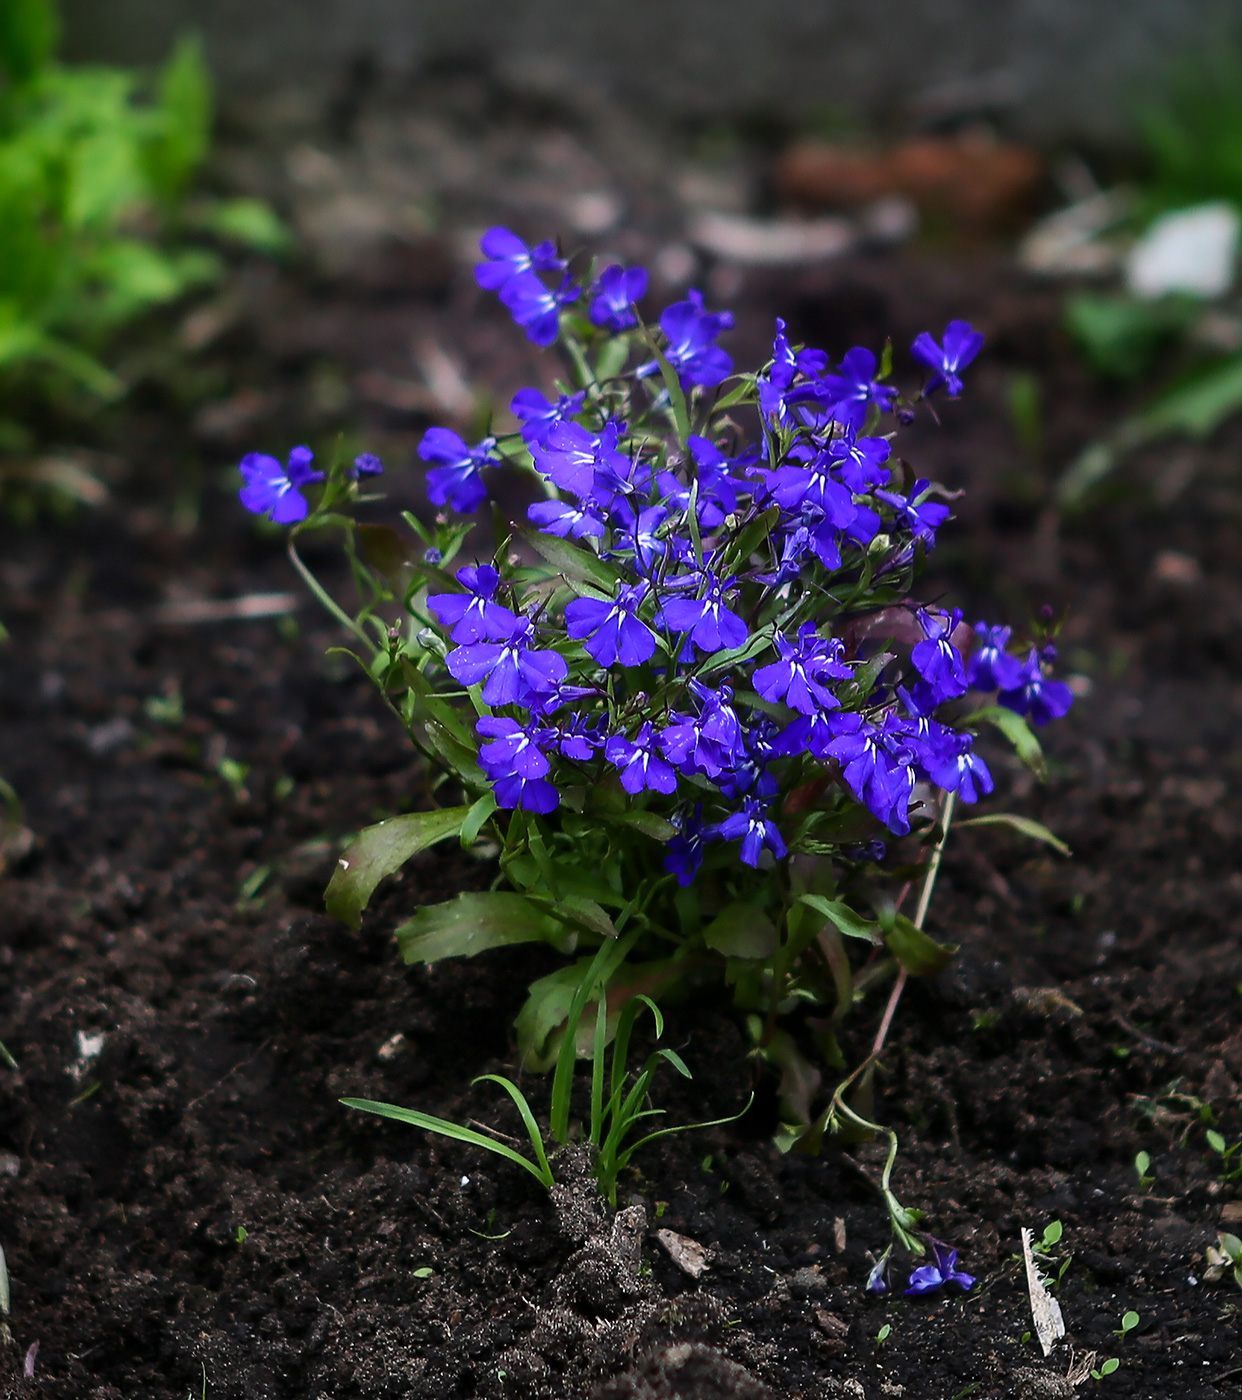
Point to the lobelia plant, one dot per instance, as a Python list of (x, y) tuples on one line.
[(690, 700)]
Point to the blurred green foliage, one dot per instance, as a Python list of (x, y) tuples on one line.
[(1190, 127), (95, 164), (1192, 130)]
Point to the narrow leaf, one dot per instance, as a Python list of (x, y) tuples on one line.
[(1017, 731), (380, 850), (647, 822), (850, 923), (1037, 831), (920, 955), (571, 560), (448, 1130)]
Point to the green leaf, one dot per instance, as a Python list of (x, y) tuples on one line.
[(612, 357), (29, 31), (1015, 728), (800, 1079), (185, 112), (1199, 407), (742, 931), (570, 560), (1037, 831), (475, 818), (676, 394), (584, 913), (920, 955), (380, 850), (388, 554), (1216, 1141), (444, 1128), (847, 920), (472, 923), (865, 677), (647, 822), (252, 223), (543, 1013), (736, 394)]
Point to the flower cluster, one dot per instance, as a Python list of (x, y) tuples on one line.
[(701, 647), (699, 653)]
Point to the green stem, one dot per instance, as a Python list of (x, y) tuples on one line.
[(322, 594)]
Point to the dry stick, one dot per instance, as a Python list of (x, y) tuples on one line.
[(920, 915), (901, 1222)]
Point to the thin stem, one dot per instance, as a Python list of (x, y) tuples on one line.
[(920, 914), (889, 1012), (937, 855), (324, 597)]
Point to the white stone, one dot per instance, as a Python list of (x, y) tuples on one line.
[(1192, 250)]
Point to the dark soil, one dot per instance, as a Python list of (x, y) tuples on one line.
[(183, 1201)]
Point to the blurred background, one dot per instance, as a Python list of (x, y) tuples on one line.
[(227, 227)]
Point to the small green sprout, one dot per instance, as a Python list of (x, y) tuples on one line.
[(1047, 1254), (167, 709), (1230, 1157), (1142, 1169), (425, 1272), (234, 774), (241, 1235), (1106, 1368), (1128, 1323), (883, 1334)]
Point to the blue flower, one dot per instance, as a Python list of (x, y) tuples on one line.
[(878, 777), (578, 460), (508, 257), (638, 762), (749, 773), (690, 332), (797, 678), (1037, 697), (780, 392), (643, 540), (956, 767), (859, 461), (614, 631), (711, 742), (936, 658), (918, 515), (961, 344), (535, 307), (684, 853), (755, 830), (929, 1277), (877, 1279), (538, 416), (511, 670), (367, 464), (274, 490), (991, 667), (515, 749), (473, 616), (456, 482), (850, 392), (711, 625), (614, 296), (793, 486), (564, 519)]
